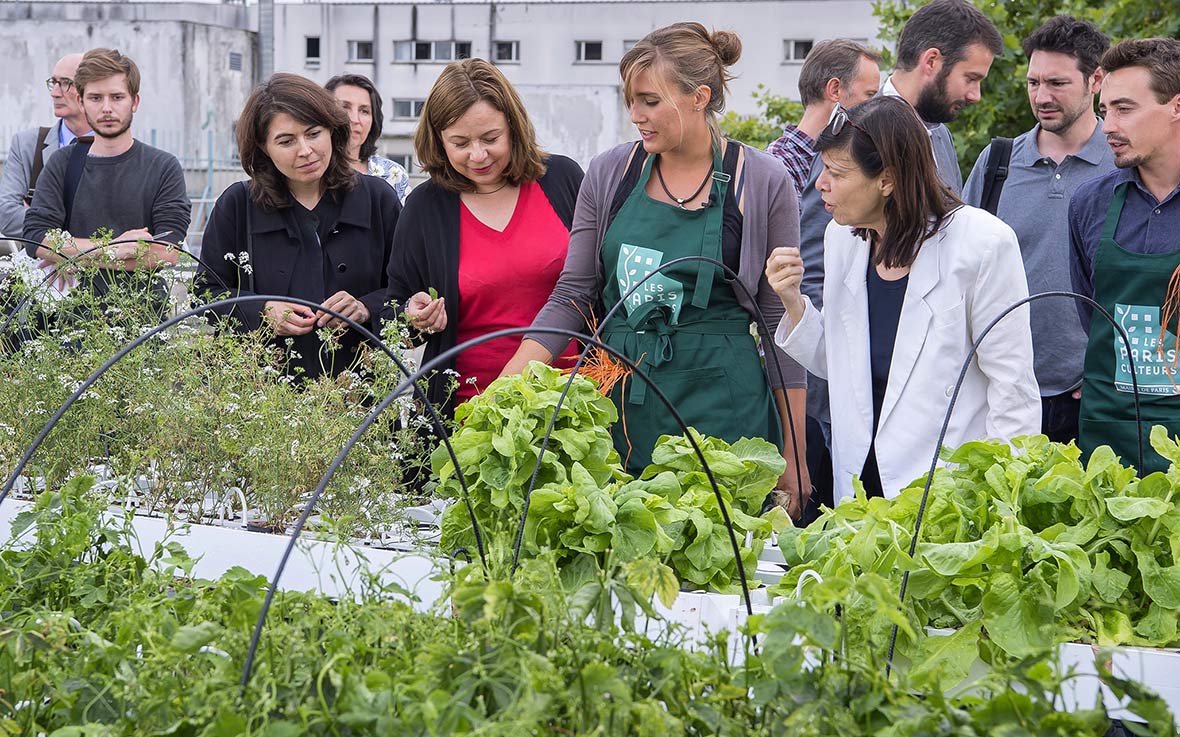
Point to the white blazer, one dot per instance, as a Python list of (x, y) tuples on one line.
[(962, 278)]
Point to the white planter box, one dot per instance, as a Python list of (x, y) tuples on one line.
[(331, 568), (1156, 669)]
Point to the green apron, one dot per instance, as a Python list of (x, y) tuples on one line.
[(1131, 287), (684, 327)]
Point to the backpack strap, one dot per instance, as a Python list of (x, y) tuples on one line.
[(630, 178), (38, 162), (998, 160), (734, 164), (75, 167)]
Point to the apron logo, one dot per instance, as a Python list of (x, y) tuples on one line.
[(1155, 370), (634, 265)]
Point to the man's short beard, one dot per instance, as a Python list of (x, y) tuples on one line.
[(1067, 120), (932, 105), (116, 134), (1133, 162)]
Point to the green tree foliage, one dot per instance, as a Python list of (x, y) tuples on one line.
[(774, 111), (1004, 109)]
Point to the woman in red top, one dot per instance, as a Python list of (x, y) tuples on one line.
[(488, 232)]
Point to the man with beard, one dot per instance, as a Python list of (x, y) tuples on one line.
[(114, 183), (944, 52), (943, 55), (1124, 229), (1065, 148), (31, 148)]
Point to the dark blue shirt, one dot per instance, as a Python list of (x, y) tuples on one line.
[(1146, 226), (885, 300)]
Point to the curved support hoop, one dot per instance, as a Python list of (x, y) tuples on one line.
[(203, 309), (905, 577), (731, 277), (425, 369), (67, 260)]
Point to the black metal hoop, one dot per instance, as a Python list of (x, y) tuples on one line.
[(203, 309), (905, 577), (425, 369)]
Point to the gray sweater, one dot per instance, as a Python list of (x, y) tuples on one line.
[(140, 188), (770, 218)]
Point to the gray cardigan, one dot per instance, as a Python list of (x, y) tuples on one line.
[(770, 218)]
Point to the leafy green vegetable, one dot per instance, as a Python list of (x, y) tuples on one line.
[(584, 506), (1021, 545)]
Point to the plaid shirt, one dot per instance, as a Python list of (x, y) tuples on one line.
[(797, 152)]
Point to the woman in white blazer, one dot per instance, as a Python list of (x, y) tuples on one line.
[(912, 277)]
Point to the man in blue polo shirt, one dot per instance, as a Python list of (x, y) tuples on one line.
[(1065, 148), (1125, 232)]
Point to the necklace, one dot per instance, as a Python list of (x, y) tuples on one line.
[(680, 201), (497, 189)]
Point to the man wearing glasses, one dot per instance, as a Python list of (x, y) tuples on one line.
[(30, 149)]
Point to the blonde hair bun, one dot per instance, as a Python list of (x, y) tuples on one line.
[(727, 45)]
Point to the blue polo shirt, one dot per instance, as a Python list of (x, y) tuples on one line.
[(1147, 225), (1035, 203)]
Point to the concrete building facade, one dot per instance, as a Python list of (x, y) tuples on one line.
[(199, 61), (562, 56)]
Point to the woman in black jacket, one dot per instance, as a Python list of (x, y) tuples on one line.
[(305, 225), (479, 247)]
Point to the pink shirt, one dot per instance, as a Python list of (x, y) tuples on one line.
[(505, 277)]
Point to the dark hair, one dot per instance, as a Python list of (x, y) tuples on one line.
[(99, 64), (688, 56), (369, 145), (1159, 56), (885, 134), (306, 102), (839, 59), (949, 26), (1065, 34), (460, 85)]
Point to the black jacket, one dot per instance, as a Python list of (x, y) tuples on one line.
[(426, 250), (353, 257)]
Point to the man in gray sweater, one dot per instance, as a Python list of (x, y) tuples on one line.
[(115, 183)]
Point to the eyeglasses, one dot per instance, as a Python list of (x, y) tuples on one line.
[(64, 82), (841, 119)]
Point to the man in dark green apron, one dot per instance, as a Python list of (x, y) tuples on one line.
[(684, 326), (1125, 233)]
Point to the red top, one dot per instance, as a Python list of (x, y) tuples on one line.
[(505, 278)]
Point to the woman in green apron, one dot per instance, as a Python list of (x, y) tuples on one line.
[(683, 191), (1132, 287)]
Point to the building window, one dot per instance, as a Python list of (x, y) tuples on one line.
[(405, 161), (503, 51), (415, 51), (235, 61), (628, 45), (407, 109), (360, 51), (311, 52), (797, 49), (589, 50)]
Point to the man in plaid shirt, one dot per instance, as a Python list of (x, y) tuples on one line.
[(836, 72)]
